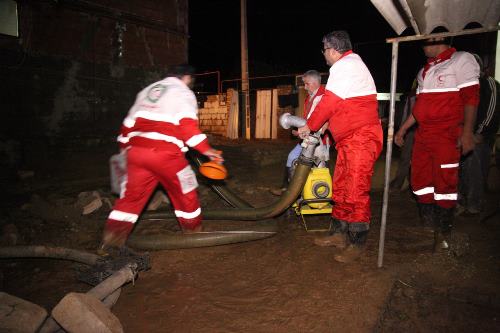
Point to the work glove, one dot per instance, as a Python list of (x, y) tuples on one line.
[(214, 155)]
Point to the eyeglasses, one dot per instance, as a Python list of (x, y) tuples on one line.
[(324, 50)]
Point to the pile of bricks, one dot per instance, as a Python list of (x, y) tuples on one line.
[(214, 114)]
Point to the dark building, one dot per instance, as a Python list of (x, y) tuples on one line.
[(70, 76)]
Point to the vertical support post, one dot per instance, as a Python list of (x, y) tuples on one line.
[(245, 86), (219, 85), (388, 155)]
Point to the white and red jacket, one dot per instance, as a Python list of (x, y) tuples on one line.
[(164, 116), (311, 102), (350, 99), (446, 84)]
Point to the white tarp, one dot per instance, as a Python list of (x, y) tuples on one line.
[(425, 15)]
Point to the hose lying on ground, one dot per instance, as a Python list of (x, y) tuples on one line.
[(200, 239), (169, 241), (253, 214), (49, 252)]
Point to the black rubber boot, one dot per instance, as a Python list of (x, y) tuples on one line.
[(442, 228), (428, 214), (355, 249), (337, 236)]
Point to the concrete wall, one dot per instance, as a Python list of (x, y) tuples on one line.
[(71, 76)]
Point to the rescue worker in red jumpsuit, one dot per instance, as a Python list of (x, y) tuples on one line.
[(350, 105), (445, 111), (159, 128)]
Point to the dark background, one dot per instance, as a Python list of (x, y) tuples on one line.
[(285, 38)]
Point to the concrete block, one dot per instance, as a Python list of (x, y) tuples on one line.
[(18, 315), (89, 202), (85, 314)]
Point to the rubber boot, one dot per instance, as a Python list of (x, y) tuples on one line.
[(428, 214), (356, 247), (114, 236), (286, 180), (337, 236), (442, 229)]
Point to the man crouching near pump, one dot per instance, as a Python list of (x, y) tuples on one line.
[(350, 106)]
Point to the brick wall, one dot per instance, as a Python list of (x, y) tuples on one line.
[(65, 87), (153, 33), (214, 114)]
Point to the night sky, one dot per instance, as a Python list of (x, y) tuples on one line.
[(284, 37)]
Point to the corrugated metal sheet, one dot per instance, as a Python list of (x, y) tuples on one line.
[(425, 15)]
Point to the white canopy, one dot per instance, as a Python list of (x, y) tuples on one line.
[(425, 15)]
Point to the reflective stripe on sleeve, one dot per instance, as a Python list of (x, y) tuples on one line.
[(195, 139), (122, 139), (129, 122)]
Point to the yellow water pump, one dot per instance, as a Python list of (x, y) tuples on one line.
[(316, 195)]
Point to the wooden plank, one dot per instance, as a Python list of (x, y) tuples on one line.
[(263, 115), (274, 114), (232, 125), (267, 113), (258, 116)]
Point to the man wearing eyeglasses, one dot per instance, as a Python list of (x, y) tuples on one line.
[(445, 110), (350, 105)]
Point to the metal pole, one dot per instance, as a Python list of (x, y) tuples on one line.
[(388, 155), (245, 86), (442, 34)]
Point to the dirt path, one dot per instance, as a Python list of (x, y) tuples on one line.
[(281, 284)]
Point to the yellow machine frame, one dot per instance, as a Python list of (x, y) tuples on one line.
[(316, 196)]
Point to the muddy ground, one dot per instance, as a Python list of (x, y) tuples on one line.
[(281, 284)]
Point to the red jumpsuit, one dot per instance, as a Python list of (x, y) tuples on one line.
[(159, 128), (445, 85), (350, 105), (310, 104)]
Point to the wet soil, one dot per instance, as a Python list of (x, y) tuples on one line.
[(280, 284)]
